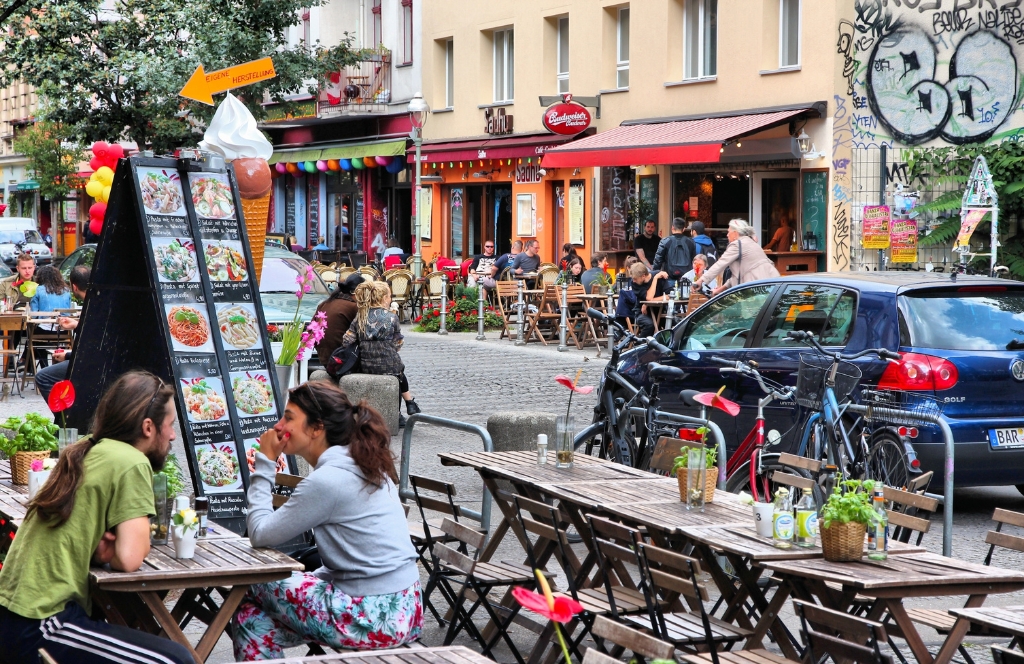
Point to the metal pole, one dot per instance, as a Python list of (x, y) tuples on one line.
[(520, 319), (417, 264), (611, 312), (444, 303), (563, 325), (670, 313), (716, 435), (994, 242), (480, 310), (881, 197)]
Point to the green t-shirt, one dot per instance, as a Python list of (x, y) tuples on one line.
[(48, 567)]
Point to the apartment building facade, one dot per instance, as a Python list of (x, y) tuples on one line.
[(18, 104)]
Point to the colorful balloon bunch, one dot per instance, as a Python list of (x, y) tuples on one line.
[(301, 168), (103, 163)]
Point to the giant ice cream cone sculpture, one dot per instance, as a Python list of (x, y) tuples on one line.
[(233, 133)]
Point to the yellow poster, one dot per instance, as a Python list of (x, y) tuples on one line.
[(970, 222)]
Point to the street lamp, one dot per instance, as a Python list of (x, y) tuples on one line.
[(418, 111)]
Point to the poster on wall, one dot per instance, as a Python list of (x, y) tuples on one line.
[(875, 233), (970, 220), (425, 211), (526, 215), (618, 186), (576, 213), (904, 241)]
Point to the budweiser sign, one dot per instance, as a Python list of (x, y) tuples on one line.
[(566, 119)]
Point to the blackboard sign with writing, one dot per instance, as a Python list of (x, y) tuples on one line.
[(617, 189), (815, 208), (172, 292)]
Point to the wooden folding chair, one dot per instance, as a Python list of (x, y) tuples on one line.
[(12, 332), (695, 300), (544, 321), (839, 635), (507, 293), (643, 646), (1006, 656)]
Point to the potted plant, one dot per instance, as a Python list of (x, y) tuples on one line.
[(186, 532), (698, 435), (29, 437), (602, 284), (845, 517)]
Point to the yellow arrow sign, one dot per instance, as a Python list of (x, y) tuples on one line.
[(202, 86)]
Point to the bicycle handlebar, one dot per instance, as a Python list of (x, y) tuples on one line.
[(627, 336), (809, 337), (780, 391)]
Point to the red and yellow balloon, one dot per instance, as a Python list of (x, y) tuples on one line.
[(103, 163)]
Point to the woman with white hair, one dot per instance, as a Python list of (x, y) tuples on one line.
[(745, 258)]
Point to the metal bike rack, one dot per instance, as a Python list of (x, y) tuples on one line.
[(882, 413), (716, 433), (484, 515)]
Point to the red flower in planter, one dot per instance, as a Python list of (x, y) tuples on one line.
[(62, 396), (561, 609), (571, 384)]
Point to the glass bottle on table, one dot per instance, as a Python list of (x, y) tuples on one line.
[(782, 520), (878, 541), (806, 520)]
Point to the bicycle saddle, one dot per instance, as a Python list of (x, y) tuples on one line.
[(662, 372)]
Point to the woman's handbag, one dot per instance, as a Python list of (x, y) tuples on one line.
[(343, 361)]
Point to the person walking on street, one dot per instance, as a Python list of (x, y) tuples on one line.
[(94, 511), (10, 287), (704, 244), (675, 254), (744, 258), (379, 338), (646, 245)]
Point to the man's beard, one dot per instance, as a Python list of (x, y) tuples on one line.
[(157, 459)]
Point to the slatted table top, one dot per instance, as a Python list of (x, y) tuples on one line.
[(217, 562), (672, 517), (523, 467), (912, 570), (438, 655), (655, 489), (1009, 619), (743, 540)]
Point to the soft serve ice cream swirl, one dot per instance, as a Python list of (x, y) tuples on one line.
[(233, 133)]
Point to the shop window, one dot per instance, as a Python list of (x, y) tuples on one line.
[(562, 68), (504, 65), (700, 39), (622, 49), (407, 32), (378, 32), (449, 74), (789, 33)]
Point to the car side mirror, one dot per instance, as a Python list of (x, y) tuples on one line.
[(664, 338)]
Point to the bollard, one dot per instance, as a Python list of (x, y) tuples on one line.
[(563, 325), (611, 330), (520, 318), (670, 314), (444, 303), (480, 311)]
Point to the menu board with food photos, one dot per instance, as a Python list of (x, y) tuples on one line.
[(191, 237)]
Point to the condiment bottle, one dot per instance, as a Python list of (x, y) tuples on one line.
[(878, 542), (782, 520), (202, 509), (806, 520)]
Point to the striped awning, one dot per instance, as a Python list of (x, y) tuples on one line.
[(349, 151)]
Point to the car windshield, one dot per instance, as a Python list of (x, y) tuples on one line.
[(279, 276), (968, 318), (18, 237)]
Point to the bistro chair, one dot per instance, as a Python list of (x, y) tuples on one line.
[(345, 272), (643, 646), (369, 271), (400, 282), (842, 637), (12, 331), (435, 286), (547, 275), (1006, 656)]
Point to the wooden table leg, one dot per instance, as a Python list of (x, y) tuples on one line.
[(956, 635), (220, 621), (768, 618), (167, 622)]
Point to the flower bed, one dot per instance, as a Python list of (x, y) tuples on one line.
[(461, 314)]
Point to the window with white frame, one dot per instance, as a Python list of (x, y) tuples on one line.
[(406, 32), (378, 31), (504, 65), (562, 66), (789, 33), (622, 49), (700, 38), (449, 74)]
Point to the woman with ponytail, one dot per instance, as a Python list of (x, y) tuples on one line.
[(95, 509), (367, 594)]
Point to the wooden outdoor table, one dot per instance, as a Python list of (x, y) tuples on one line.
[(889, 581), (229, 566), (746, 551), (413, 655), (1003, 619)]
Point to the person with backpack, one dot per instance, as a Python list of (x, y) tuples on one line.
[(743, 257), (675, 254), (704, 244)]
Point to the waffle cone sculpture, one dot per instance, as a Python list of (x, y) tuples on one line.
[(254, 185)]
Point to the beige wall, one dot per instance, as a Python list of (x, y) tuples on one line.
[(748, 48), (18, 102)]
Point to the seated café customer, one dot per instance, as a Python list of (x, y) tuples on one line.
[(367, 594), (340, 309), (504, 261), (568, 253), (52, 292), (528, 261), (572, 272), (95, 510), (644, 286), (49, 376), (480, 268), (10, 287), (598, 265), (700, 263)]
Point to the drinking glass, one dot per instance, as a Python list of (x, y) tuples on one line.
[(695, 474), (159, 524), (66, 437), (564, 432)]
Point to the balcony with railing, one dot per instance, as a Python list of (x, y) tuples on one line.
[(364, 87)]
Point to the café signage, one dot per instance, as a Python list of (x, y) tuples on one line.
[(496, 122), (567, 119)]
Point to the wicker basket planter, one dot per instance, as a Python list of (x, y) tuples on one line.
[(21, 463), (843, 541), (710, 484)]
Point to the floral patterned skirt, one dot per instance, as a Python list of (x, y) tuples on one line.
[(304, 608)]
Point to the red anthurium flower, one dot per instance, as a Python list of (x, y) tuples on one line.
[(715, 401), (562, 612), (571, 384), (62, 396), (691, 435)]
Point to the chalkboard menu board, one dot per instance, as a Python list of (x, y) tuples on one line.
[(172, 292), (618, 187), (815, 208)]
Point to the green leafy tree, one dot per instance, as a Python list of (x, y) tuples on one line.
[(113, 70), (53, 157)]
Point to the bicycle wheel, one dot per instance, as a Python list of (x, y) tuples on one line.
[(887, 461), (740, 480)]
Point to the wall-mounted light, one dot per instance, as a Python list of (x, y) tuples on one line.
[(807, 148), (576, 171), (542, 172)]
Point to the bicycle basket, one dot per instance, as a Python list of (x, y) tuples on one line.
[(901, 408), (810, 381)]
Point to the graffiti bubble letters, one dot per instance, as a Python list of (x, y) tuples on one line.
[(908, 100)]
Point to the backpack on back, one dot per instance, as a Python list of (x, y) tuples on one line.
[(679, 258)]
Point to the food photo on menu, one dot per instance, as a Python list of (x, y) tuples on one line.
[(218, 468), (252, 446), (225, 260), (175, 260), (161, 191), (204, 399), (239, 326), (190, 331), (253, 393), (211, 195)]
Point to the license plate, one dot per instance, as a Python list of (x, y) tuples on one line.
[(1006, 439)]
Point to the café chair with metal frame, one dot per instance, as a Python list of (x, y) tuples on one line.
[(643, 646), (1006, 656), (839, 635)]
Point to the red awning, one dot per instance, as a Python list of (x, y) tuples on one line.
[(681, 142), (508, 147)]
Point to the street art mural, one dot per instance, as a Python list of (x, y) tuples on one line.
[(922, 73)]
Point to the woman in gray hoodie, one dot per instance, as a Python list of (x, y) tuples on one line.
[(367, 594)]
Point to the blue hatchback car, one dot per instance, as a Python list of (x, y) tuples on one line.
[(962, 342)]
